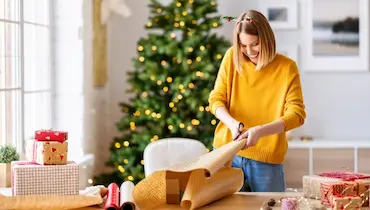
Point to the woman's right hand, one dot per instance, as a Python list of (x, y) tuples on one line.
[(236, 128)]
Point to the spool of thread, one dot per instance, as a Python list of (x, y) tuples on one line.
[(289, 204)]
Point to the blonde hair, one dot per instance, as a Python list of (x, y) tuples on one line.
[(254, 23)]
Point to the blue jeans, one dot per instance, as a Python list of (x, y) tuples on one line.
[(261, 177)]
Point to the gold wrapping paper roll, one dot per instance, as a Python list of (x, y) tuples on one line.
[(195, 183), (202, 191)]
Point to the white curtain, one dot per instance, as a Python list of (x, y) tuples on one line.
[(96, 110)]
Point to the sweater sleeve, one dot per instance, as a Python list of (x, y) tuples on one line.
[(294, 109), (218, 96)]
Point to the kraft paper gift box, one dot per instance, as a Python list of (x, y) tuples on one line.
[(32, 179), (346, 202), (47, 152), (51, 135)]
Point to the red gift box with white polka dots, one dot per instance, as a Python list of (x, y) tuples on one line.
[(51, 135)]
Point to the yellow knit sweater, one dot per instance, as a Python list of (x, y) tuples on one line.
[(256, 98)]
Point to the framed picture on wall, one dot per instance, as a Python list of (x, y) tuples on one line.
[(336, 35), (281, 14), (290, 51)]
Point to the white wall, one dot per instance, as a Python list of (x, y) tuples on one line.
[(338, 104)]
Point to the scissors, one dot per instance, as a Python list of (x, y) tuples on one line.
[(241, 125)]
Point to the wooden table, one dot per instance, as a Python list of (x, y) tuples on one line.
[(237, 201), (240, 200)]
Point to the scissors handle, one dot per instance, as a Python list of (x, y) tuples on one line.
[(241, 125)]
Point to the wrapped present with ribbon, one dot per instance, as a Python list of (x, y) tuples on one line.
[(312, 183), (358, 182), (340, 202), (51, 135), (361, 188), (28, 178), (328, 189), (47, 152)]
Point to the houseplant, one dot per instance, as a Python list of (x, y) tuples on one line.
[(7, 155)]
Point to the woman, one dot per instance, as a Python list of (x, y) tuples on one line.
[(257, 95)]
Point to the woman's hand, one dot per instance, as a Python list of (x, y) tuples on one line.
[(236, 129), (252, 135)]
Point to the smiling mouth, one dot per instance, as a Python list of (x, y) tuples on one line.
[(253, 56)]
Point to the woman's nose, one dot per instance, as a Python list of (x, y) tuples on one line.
[(249, 51)]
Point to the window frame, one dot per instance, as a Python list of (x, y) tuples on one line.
[(20, 142)]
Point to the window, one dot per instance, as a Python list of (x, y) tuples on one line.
[(25, 73)]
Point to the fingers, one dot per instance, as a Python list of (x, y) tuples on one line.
[(249, 141), (242, 136)]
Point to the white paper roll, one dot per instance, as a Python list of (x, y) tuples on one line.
[(126, 199)]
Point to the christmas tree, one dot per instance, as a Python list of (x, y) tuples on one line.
[(173, 75)]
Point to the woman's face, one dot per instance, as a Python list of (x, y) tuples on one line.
[(250, 46)]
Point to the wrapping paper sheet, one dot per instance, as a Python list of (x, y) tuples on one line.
[(194, 183), (89, 197)]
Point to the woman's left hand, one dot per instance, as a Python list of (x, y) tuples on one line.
[(252, 134)]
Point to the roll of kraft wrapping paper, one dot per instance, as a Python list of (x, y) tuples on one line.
[(112, 201), (126, 199), (195, 183)]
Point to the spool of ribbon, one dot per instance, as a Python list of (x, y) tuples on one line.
[(289, 204)]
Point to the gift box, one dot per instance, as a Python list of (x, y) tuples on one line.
[(328, 189), (51, 135), (346, 202), (361, 189), (32, 179), (312, 185), (47, 152)]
